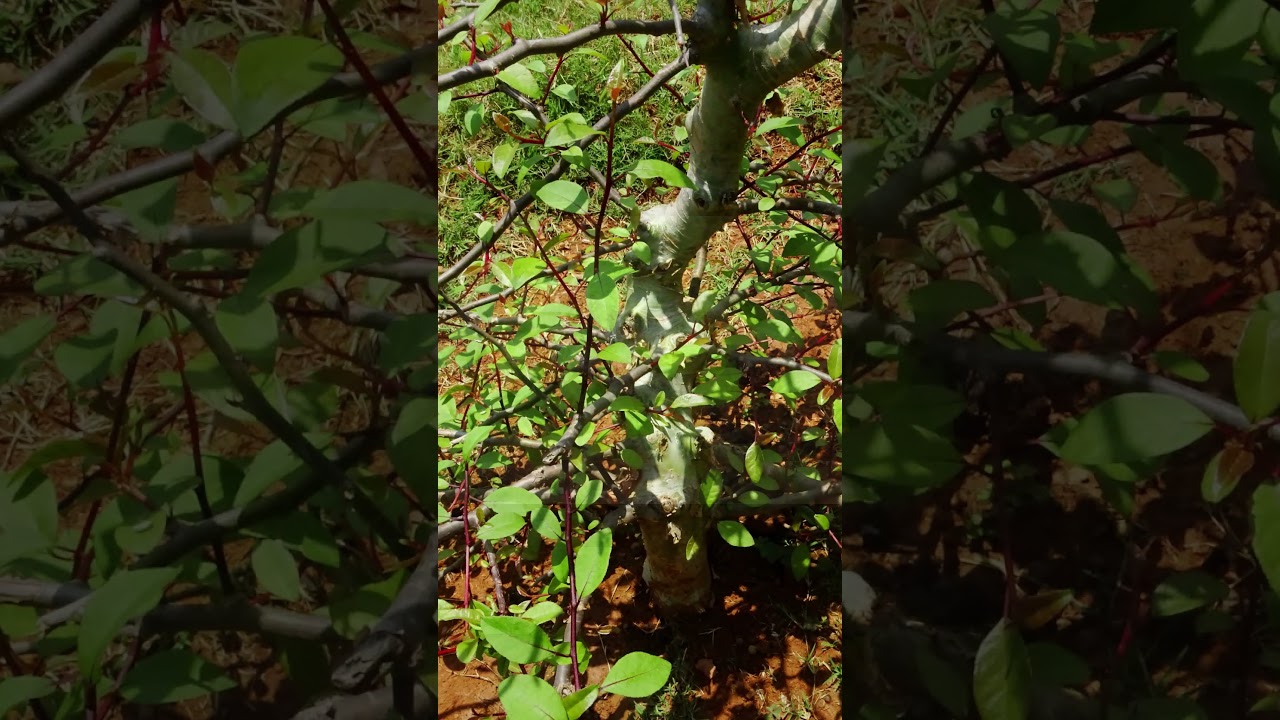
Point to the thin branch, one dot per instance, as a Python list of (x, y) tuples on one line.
[(879, 210), (234, 615), (373, 705), (795, 204), (522, 48)]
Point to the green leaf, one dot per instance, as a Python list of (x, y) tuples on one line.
[(204, 82), (127, 595), (637, 674), (938, 303), (517, 639), (249, 324), (604, 298), (591, 563), (415, 428), (373, 201), (754, 462), (795, 383), (529, 697), (19, 690), (86, 275), (150, 208), (860, 158), (500, 525), (900, 454), (564, 195), (1187, 591), (163, 133), (276, 570), (1269, 34), (674, 176), (943, 681), (1002, 675), (172, 676), (566, 132), (1256, 370), (1028, 38), (1224, 471), (1181, 364), (1214, 36), (512, 500), (17, 344), (502, 157), (1056, 666), (301, 256), (409, 339), (1266, 532), (274, 71), (519, 77), (735, 533), (1134, 426), (617, 352), (276, 463), (85, 359), (1119, 193)]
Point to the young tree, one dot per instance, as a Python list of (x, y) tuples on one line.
[(1009, 339), (550, 389)]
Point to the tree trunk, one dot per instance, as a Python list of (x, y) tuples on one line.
[(743, 63)]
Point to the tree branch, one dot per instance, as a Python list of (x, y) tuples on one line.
[(397, 634), (67, 67), (522, 48), (211, 151), (982, 354)]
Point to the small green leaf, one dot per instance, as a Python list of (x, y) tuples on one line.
[(795, 383), (754, 462), (305, 254), (1181, 364), (564, 195), (250, 325), (276, 570), (1266, 532), (512, 500), (19, 690), (86, 275), (1187, 591), (204, 82), (1028, 38), (591, 563), (637, 674), (127, 595), (502, 157), (172, 676), (1002, 675), (1134, 426), (519, 77), (529, 697), (703, 304), (17, 344), (500, 525), (674, 176), (373, 201), (1257, 363), (617, 352), (735, 533), (517, 639), (271, 72)]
